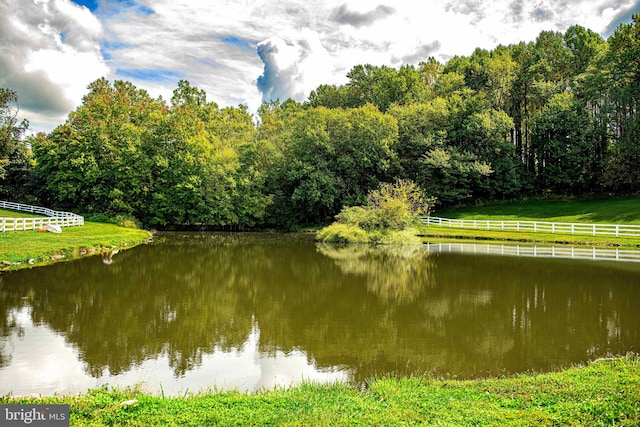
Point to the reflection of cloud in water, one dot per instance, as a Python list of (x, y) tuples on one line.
[(395, 273), (43, 363)]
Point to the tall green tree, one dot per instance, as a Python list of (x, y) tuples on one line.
[(15, 158), (330, 158), (97, 162), (561, 145), (457, 148), (380, 86), (207, 164), (623, 170), (588, 83)]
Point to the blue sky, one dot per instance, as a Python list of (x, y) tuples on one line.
[(245, 51), (92, 5)]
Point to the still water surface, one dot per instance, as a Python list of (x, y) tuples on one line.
[(251, 311)]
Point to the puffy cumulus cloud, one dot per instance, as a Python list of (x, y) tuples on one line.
[(49, 54), (292, 68)]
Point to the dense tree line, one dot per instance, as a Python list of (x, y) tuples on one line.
[(558, 115)]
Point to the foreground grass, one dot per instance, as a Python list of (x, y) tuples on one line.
[(607, 211), (606, 392), (24, 248)]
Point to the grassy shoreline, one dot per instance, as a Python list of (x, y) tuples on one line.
[(24, 249), (621, 211), (605, 392)]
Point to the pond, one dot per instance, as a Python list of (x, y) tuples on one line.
[(192, 312)]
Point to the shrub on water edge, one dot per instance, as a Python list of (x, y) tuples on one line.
[(388, 219), (360, 216), (343, 233)]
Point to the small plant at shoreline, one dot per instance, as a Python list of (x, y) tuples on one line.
[(389, 218)]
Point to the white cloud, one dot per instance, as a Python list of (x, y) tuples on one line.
[(292, 67), (241, 51), (49, 54)]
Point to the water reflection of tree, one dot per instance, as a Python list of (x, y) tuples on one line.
[(397, 274), (157, 302)]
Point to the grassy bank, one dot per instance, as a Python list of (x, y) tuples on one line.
[(13, 214), (611, 211), (606, 392), (19, 249), (607, 211)]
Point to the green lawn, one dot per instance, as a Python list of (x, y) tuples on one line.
[(606, 392), (603, 211), (17, 214), (607, 211), (22, 246)]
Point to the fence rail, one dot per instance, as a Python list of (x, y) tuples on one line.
[(537, 251), (62, 219), (617, 230)]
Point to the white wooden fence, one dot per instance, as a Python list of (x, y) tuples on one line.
[(63, 219), (537, 251), (617, 230)]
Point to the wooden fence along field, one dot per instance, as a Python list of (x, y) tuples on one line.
[(617, 230), (62, 219)]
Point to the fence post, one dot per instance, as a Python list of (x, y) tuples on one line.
[(594, 229), (573, 228), (553, 228), (617, 230)]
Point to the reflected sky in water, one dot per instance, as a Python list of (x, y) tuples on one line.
[(42, 363)]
